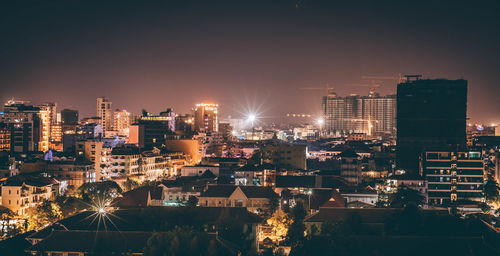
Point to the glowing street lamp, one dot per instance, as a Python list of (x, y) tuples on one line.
[(102, 210), (252, 118)]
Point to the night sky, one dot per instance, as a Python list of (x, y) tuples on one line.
[(242, 54)]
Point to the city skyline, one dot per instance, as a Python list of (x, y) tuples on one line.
[(156, 56)]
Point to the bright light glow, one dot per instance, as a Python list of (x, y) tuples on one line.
[(102, 210), (252, 117), (320, 121)]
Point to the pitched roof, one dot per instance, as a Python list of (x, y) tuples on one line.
[(138, 197), (258, 192), (249, 191), (28, 179), (250, 168), (15, 245), (372, 216), (208, 175), (149, 219), (358, 190), (348, 153), (326, 198), (92, 241), (289, 181), (218, 191), (367, 215)]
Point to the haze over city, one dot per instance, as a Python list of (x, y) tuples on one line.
[(156, 55)]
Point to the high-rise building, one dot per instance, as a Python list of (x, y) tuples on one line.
[(372, 115), (431, 115), (56, 133), (69, 121), (206, 118), (69, 117), (50, 108), (453, 177), (24, 125), (105, 113), (4, 137), (153, 130), (122, 122), (184, 123), (45, 130)]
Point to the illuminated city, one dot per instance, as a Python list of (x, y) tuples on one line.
[(288, 127)]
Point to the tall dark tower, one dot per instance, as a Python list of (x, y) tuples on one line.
[(431, 115)]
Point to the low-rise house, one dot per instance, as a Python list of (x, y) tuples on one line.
[(125, 161), (254, 198), (21, 192), (415, 183), (358, 194), (71, 174)]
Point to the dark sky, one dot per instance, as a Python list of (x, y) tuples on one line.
[(240, 54)]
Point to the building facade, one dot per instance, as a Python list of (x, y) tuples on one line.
[(206, 118), (453, 177), (21, 192), (122, 121), (24, 124), (153, 130), (105, 113), (372, 115), (431, 116)]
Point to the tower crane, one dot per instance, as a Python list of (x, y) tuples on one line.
[(327, 88)]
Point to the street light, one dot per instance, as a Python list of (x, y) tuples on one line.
[(320, 122), (309, 192), (251, 118)]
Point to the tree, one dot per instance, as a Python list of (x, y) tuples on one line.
[(8, 229), (192, 201), (43, 215), (297, 229), (280, 222), (182, 241), (69, 205), (490, 190), (130, 184), (99, 192), (405, 196), (273, 204)]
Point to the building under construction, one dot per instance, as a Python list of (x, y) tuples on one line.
[(372, 115)]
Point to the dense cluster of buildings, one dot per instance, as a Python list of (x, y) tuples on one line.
[(357, 155)]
